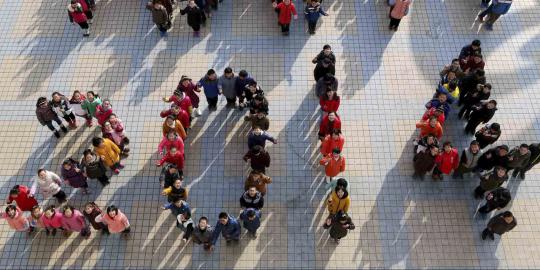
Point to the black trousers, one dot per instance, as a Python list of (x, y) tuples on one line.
[(285, 28), (486, 208), (394, 23), (84, 25), (312, 26), (212, 102), (56, 119), (472, 124), (60, 196)]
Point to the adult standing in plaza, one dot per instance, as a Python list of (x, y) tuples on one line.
[(494, 12), (160, 16), (533, 160), (499, 224), (195, 17), (286, 10), (76, 13)]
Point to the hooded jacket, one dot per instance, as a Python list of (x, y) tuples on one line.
[(23, 200), (339, 230), (335, 204), (18, 222), (48, 186), (109, 151), (486, 136), (231, 230), (256, 201), (333, 167)]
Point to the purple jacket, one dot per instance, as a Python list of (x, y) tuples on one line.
[(75, 179), (75, 223)]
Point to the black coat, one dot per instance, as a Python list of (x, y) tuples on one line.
[(498, 198), (487, 163), (482, 114), (423, 162), (339, 230), (498, 225), (194, 16), (320, 70)]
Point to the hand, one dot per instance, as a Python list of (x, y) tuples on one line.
[(295, 17), (165, 99), (163, 207), (220, 91), (184, 240), (274, 4), (157, 164), (163, 193), (275, 141), (102, 157), (328, 222)]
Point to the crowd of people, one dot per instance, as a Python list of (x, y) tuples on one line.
[(463, 86)]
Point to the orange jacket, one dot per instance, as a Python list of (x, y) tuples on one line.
[(426, 129), (178, 128), (333, 167), (329, 144)]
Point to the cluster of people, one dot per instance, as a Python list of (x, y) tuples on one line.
[(197, 11), (98, 162), (463, 84), (286, 12), (241, 92)]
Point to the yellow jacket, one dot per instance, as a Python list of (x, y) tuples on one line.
[(335, 204), (109, 152)]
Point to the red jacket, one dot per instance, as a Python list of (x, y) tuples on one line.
[(327, 126), (431, 111), (75, 16), (329, 144), (329, 105), (23, 200), (177, 159), (184, 104), (447, 161), (426, 129), (102, 115), (285, 12), (183, 116)]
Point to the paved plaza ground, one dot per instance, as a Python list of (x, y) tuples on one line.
[(385, 78)]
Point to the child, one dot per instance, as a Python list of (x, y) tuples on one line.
[(46, 116), (116, 221), (178, 113), (437, 112), (312, 13), (209, 83), (35, 218), (195, 17), (340, 225), (76, 13), (332, 141), (52, 220), (90, 103), (329, 123), (73, 221), (251, 90), (61, 107), (170, 124), (185, 223), (16, 220), (329, 102), (447, 161), (176, 191), (73, 175), (251, 220), (103, 111), (190, 89), (49, 185), (93, 166), (118, 137), (451, 90), (171, 140), (259, 137), (109, 153), (168, 175), (399, 10), (91, 211), (431, 126), (76, 101), (285, 10), (424, 161), (425, 143), (21, 195), (175, 157), (334, 164)]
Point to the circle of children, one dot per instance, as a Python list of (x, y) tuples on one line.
[(463, 84), (105, 159)]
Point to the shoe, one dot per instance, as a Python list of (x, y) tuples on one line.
[(86, 33), (64, 129), (116, 171), (56, 134), (198, 112), (104, 184), (247, 118), (254, 235), (480, 19), (390, 28)]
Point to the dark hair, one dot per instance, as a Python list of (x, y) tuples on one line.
[(203, 218), (41, 100), (338, 188), (454, 60), (113, 114), (474, 142), (252, 83), (92, 204), (326, 46), (211, 71), (447, 143), (56, 93), (494, 102), (341, 216), (335, 131), (495, 126), (52, 208), (476, 42), (66, 207), (243, 73), (176, 199), (452, 85), (329, 77), (69, 161), (11, 207), (256, 149), (507, 214), (40, 170), (341, 182), (433, 146), (223, 215), (336, 151), (488, 85), (170, 117), (524, 145), (250, 213), (500, 168), (172, 166), (480, 72), (433, 117), (87, 152), (477, 54), (112, 208), (259, 97), (93, 94), (76, 92), (14, 190), (228, 70), (96, 141)]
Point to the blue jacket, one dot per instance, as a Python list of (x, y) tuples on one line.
[(251, 225), (434, 103), (441, 89), (179, 210), (211, 89), (312, 13), (229, 231), (500, 6), (259, 139), (240, 85)]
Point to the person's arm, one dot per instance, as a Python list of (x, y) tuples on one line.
[(99, 218), (181, 131), (270, 138), (260, 205), (55, 178), (463, 159), (164, 159), (166, 192), (162, 145), (247, 156), (267, 160), (294, 11), (215, 234)]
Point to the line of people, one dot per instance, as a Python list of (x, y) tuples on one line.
[(463, 84), (286, 12), (98, 162)]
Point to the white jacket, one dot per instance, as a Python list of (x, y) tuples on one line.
[(48, 186)]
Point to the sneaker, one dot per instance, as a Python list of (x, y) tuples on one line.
[(64, 129), (56, 134), (198, 112)]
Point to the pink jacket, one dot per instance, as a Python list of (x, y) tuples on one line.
[(117, 224), (400, 9), (166, 144), (54, 222), (75, 223), (19, 222)]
